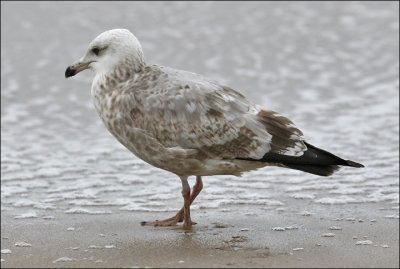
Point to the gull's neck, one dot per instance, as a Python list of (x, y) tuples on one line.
[(125, 70), (118, 73)]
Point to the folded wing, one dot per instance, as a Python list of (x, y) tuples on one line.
[(217, 121)]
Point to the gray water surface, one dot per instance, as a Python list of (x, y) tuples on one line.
[(331, 67)]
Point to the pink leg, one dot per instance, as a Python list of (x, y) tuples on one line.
[(180, 216), (196, 189), (187, 225)]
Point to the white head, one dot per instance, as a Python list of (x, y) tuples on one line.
[(107, 51)]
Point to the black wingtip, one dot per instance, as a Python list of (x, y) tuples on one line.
[(354, 164), (319, 170)]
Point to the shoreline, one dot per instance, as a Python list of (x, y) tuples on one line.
[(220, 239)]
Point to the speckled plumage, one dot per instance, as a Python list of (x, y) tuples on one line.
[(187, 124)]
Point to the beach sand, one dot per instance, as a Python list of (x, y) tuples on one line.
[(282, 238)]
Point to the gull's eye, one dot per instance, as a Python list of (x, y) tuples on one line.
[(96, 51)]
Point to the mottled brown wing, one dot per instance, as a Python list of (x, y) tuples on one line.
[(286, 138), (216, 121)]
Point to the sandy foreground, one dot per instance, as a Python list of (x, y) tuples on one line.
[(333, 237)]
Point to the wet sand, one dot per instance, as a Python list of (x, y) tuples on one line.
[(228, 239)]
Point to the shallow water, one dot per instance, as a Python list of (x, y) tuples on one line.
[(330, 67)]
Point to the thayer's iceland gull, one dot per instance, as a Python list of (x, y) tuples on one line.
[(187, 124)]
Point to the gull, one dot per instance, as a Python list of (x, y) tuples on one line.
[(187, 124)]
